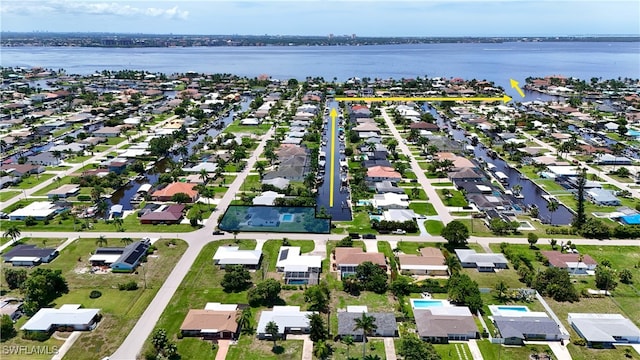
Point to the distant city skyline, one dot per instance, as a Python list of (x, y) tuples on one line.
[(321, 18)]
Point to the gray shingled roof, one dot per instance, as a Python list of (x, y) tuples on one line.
[(518, 327), (386, 322)]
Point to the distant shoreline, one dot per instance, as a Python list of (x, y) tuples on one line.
[(109, 40)]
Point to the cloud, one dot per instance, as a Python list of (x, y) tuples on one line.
[(90, 8)]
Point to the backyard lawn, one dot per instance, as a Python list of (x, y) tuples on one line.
[(6, 195), (454, 198), (31, 181), (434, 227)]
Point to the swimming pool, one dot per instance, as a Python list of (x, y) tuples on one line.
[(510, 310), (513, 308), (298, 282), (425, 304), (376, 217), (286, 218)]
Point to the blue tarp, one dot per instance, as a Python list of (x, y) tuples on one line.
[(631, 219)]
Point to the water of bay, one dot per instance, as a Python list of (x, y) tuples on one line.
[(495, 62)]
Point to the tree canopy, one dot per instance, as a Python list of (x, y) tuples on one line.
[(236, 278), (456, 234), (265, 293), (464, 291), (372, 277), (41, 288)]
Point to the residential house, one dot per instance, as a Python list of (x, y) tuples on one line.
[(45, 158), (386, 325), (263, 216), (11, 307), (6, 181), (574, 263), (459, 162), (515, 330), (604, 330), (390, 201), (388, 187), (609, 159), (29, 255), (107, 131), (117, 165), (39, 210), (21, 170), (348, 258), (69, 316), (267, 198), (64, 191), (165, 214), (484, 262), (464, 174), (382, 173), (602, 197), (167, 193), (121, 259), (232, 255), (429, 261), (290, 320), (423, 125), (280, 183), (215, 321), (441, 324), (297, 268), (399, 215)]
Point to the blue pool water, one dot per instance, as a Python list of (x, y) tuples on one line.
[(423, 304), (287, 218), (514, 308), (363, 202), (376, 217), (297, 282)]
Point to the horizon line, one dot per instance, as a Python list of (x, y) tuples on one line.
[(326, 35)]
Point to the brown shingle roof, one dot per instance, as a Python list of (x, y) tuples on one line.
[(428, 256), (357, 256), (558, 259), (198, 319)]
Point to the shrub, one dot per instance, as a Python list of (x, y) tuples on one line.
[(35, 335), (579, 342), (95, 294), (180, 336), (128, 286)]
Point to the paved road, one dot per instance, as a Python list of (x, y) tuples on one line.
[(442, 210)]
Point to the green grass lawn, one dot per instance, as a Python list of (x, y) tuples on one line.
[(57, 168), (360, 223), (235, 128), (453, 351), (115, 140), (117, 320), (423, 208), (54, 185), (250, 348), (497, 351), (31, 181), (422, 195), (78, 159), (6, 195), (551, 185), (251, 183), (434, 227), (456, 198), (200, 285), (444, 183)]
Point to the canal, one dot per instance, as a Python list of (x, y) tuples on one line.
[(533, 194), (124, 195), (340, 211)]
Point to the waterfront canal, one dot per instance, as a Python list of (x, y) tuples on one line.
[(340, 211)]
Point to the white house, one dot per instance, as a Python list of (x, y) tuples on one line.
[(297, 268), (290, 320), (232, 255), (390, 201), (604, 329), (49, 319), (482, 261)]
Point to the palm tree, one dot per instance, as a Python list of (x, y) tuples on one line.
[(580, 258), (453, 264), (118, 223), (101, 241), (348, 341), (553, 243), (415, 192), (367, 324), (207, 193), (204, 175), (12, 232), (517, 188), (126, 241), (245, 318), (552, 206), (322, 351), (272, 330), (501, 289)]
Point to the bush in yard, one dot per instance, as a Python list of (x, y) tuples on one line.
[(95, 294), (128, 286)]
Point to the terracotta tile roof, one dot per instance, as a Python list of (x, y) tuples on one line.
[(357, 256), (560, 260), (198, 319), (175, 188)]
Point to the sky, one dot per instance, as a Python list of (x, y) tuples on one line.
[(323, 17)]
